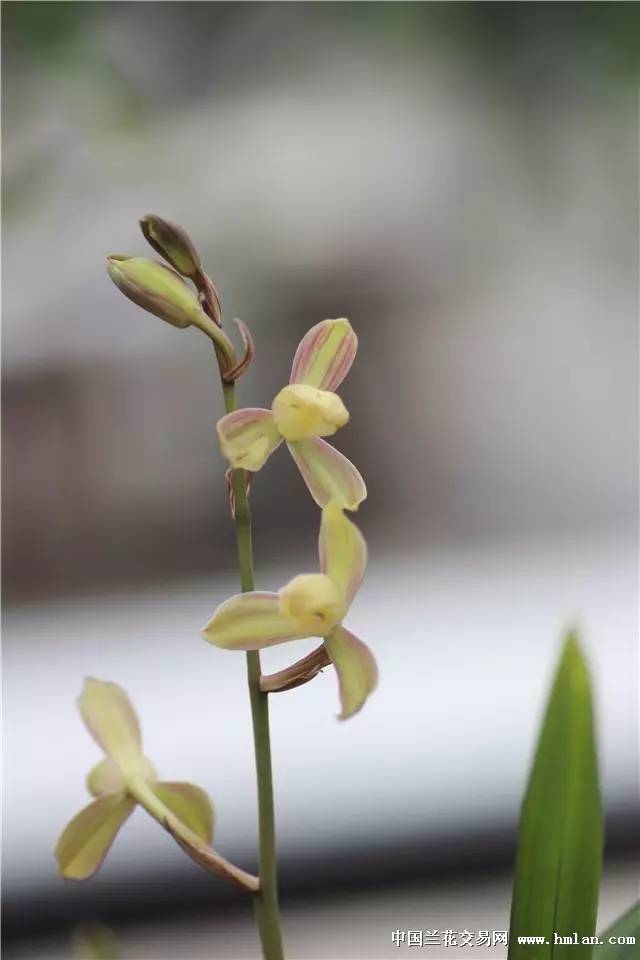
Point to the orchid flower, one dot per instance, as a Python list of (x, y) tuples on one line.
[(125, 778), (301, 414), (310, 605)]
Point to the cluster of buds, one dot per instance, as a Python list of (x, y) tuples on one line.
[(310, 605), (163, 291)]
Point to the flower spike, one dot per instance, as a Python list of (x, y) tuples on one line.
[(301, 413), (124, 778), (310, 605)]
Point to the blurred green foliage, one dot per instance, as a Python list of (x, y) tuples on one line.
[(496, 34), (43, 29), (499, 33), (628, 925)]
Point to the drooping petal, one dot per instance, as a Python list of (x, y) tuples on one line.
[(248, 437), (343, 551), (249, 621), (190, 804), (85, 841), (113, 724), (106, 777), (325, 354), (328, 474), (356, 668)]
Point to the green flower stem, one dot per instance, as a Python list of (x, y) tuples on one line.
[(267, 909)]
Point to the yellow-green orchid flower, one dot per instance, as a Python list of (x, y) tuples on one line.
[(301, 414), (124, 778), (310, 605)]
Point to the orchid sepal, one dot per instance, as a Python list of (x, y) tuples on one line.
[(325, 355), (87, 838), (328, 474), (356, 668), (249, 621), (342, 550)]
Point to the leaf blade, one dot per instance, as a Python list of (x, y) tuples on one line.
[(559, 858), (628, 925)]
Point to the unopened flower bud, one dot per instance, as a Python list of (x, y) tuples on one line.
[(173, 243), (156, 288), (160, 290)]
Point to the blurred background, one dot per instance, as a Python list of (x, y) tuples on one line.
[(460, 180)]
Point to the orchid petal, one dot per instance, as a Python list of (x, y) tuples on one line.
[(356, 668), (328, 474), (325, 354), (113, 724), (248, 437), (313, 604), (190, 804), (106, 777), (343, 551), (249, 621), (86, 840)]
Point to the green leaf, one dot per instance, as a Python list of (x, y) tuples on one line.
[(628, 925), (559, 858)]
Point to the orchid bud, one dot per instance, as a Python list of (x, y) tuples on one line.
[(160, 290), (173, 243), (156, 288)]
